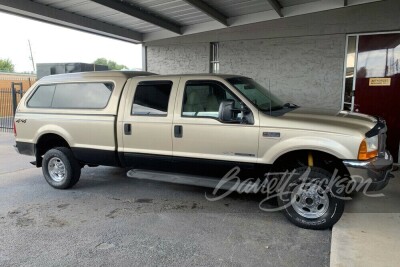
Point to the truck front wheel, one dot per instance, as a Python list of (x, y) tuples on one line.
[(60, 168), (310, 199)]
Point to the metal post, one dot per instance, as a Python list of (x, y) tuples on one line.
[(14, 98)]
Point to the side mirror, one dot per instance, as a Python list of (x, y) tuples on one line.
[(225, 112)]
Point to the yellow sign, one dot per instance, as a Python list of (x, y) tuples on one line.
[(380, 81)]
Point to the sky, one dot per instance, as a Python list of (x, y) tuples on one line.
[(55, 44)]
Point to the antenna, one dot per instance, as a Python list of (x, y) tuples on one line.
[(31, 57)]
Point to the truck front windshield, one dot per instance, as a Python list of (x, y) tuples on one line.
[(257, 94)]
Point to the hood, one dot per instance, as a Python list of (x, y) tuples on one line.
[(333, 121)]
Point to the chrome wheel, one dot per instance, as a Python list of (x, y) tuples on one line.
[(310, 200), (57, 169)]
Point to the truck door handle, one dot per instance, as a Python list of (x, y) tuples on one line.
[(178, 131), (127, 129)]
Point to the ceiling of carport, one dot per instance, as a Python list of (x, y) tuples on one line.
[(145, 20)]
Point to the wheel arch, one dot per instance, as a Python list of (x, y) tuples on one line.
[(48, 141), (302, 157)]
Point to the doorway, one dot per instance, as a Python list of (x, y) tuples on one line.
[(372, 80)]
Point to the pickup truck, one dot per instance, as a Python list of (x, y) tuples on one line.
[(201, 125)]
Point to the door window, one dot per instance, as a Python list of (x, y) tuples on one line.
[(203, 98), (152, 98)]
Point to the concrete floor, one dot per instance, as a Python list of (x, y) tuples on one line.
[(368, 234), (109, 219)]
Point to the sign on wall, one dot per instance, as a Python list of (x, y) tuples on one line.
[(380, 81)]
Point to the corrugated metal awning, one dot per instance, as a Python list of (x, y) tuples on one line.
[(145, 20)]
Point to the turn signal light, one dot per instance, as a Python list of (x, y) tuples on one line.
[(364, 154)]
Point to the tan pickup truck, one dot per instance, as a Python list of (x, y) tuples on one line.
[(201, 125)]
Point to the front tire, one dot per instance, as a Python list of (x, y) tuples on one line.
[(310, 200), (60, 168)]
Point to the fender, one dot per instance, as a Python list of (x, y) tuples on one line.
[(321, 144), (54, 129)]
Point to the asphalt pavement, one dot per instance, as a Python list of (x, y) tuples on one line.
[(109, 219)]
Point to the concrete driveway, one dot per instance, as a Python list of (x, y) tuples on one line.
[(109, 219)]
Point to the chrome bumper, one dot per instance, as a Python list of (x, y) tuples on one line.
[(374, 173)]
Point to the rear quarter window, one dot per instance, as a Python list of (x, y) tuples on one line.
[(72, 96), (42, 97)]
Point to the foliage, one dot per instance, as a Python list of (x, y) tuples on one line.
[(112, 65), (6, 65)]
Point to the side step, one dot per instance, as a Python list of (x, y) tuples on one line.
[(180, 179)]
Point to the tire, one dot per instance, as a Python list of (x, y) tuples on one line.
[(60, 168), (309, 201)]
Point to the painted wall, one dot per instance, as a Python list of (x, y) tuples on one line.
[(179, 59), (301, 70)]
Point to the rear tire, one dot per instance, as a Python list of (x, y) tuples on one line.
[(60, 168), (311, 202)]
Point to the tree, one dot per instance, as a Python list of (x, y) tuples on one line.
[(112, 65), (6, 65)]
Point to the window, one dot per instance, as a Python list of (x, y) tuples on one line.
[(262, 98), (42, 97), (202, 99), (72, 95), (152, 98), (214, 58), (350, 70), (82, 95)]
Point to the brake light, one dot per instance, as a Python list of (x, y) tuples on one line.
[(15, 130)]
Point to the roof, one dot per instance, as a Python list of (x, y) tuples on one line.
[(129, 74), (94, 74), (140, 21)]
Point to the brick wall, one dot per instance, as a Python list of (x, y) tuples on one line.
[(5, 90)]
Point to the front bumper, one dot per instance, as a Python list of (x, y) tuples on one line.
[(374, 174)]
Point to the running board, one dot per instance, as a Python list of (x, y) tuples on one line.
[(180, 179)]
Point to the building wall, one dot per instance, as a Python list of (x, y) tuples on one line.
[(179, 59), (303, 56), (301, 70), (6, 79)]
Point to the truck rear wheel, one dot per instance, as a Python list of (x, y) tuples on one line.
[(60, 168), (310, 200)]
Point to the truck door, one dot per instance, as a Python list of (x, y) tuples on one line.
[(146, 127), (203, 144)]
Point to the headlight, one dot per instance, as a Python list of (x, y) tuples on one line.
[(368, 148)]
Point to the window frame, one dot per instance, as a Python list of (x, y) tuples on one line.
[(152, 82), (208, 117), (62, 83)]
